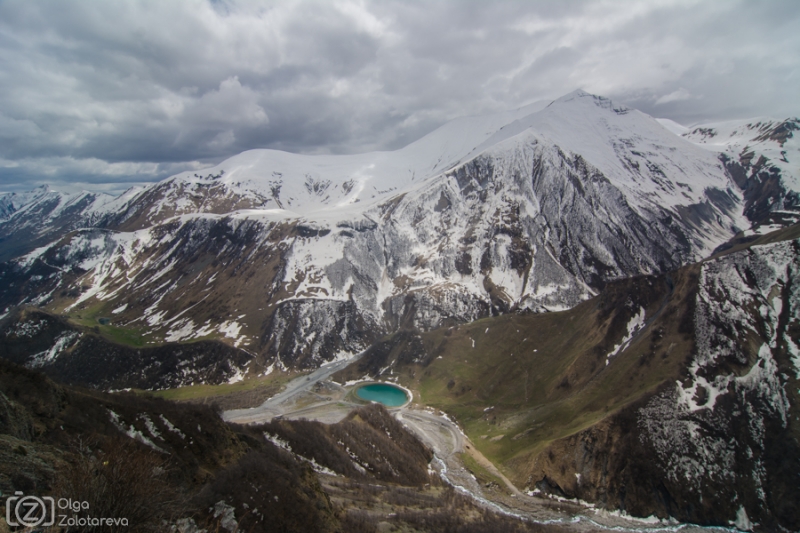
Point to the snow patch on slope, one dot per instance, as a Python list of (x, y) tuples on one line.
[(636, 323), (774, 139), (741, 296)]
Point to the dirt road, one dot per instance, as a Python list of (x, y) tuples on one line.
[(298, 396)]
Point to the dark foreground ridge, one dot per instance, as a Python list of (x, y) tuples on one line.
[(164, 466)]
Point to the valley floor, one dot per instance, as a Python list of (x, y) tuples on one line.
[(456, 460)]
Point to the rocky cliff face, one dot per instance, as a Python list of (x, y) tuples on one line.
[(299, 259), (723, 442)]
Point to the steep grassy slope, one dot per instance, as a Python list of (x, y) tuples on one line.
[(519, 381)]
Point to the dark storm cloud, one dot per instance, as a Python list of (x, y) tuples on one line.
[(114, 93)]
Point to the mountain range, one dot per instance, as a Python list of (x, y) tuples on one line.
[(670, 395), (298, 260), (605, 302)]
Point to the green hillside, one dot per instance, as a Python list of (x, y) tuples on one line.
[(517, 382)]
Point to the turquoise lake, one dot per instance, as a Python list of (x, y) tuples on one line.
[(388, 395)]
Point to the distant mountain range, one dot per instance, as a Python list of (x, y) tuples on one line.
[(297, 260)]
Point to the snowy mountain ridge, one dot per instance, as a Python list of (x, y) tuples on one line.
[(304, 185), (750, 141), (307, 185), (299, 259)]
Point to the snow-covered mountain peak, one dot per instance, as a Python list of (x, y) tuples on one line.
[(630, 148), (535, 208), (307, 184), (581, 97), (627, 146), (574, 95)]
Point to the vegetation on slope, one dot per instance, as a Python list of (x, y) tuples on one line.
[(82, 356), (519, 381), (161, 464), (580, 403), (100, 448)]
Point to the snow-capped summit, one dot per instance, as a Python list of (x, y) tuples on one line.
[(303, 185), (627, 146), (300, 258)]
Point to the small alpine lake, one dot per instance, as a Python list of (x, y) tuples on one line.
[(388, 395)]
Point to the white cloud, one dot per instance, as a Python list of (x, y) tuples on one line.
[(363, 19), (230, 104), (675, 96), (173, 83)]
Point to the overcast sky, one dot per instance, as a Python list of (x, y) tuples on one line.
[(102, 94)]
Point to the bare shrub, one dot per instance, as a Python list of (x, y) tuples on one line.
[(355, 521), (120, 480), (268, 490)]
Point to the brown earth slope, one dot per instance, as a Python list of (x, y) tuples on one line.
[(161, 464)]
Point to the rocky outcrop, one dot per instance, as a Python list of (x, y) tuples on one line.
[(720, 446)]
